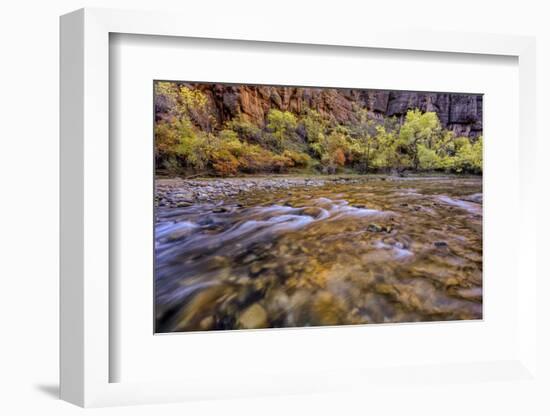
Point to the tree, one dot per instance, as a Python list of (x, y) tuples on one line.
[(363, 132), (315, 126), (418, 129), (283, 126), (334, 150), (387, 155), (477, 159), (427, 158), (468, 156)]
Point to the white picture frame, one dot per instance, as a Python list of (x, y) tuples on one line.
[(85, 210)]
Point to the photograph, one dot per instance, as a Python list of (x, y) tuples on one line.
[(279, 206)]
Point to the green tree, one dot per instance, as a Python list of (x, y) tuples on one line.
[(468, 156), (363, 131), (427, 158), (389, 154), (477, 159), (418, 129), (314, 125), (283, 126)]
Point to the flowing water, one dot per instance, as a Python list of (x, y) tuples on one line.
[(378, 251)]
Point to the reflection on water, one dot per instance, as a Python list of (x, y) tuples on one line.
[(380, 251)]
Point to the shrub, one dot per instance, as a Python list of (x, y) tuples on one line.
[(333, 150), (224, 163), (246, 130), (177, 143), (280, 163), (298, 159), (181, 102)]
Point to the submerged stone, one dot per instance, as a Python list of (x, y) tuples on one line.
[(375, 228), (253, 317)]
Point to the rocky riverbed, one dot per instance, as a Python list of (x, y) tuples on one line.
[(264, 252), (185, 192)]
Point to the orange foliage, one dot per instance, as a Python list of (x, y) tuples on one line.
[(339, 157)]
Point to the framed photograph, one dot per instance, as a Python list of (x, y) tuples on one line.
[(281, 213), (282, 206)]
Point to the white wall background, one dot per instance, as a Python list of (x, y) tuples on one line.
[(29, 188)]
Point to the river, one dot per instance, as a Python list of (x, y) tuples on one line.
[(382, 250)]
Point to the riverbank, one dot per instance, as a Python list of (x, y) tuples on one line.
[(178, 192)]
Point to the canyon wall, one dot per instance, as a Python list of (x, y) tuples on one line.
[(461, 113)]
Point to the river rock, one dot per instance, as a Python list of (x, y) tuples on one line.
[(255, 268), (477, 198), (206, 323), (326, 309), (253, 317), (184, 197), (250, 258), (218, 210), (181, 233), (374, 228), (473, 294)]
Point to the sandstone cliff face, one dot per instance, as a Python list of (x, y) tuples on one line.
[(461, 113)]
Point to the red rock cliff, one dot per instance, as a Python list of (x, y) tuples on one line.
[(461, 113)]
